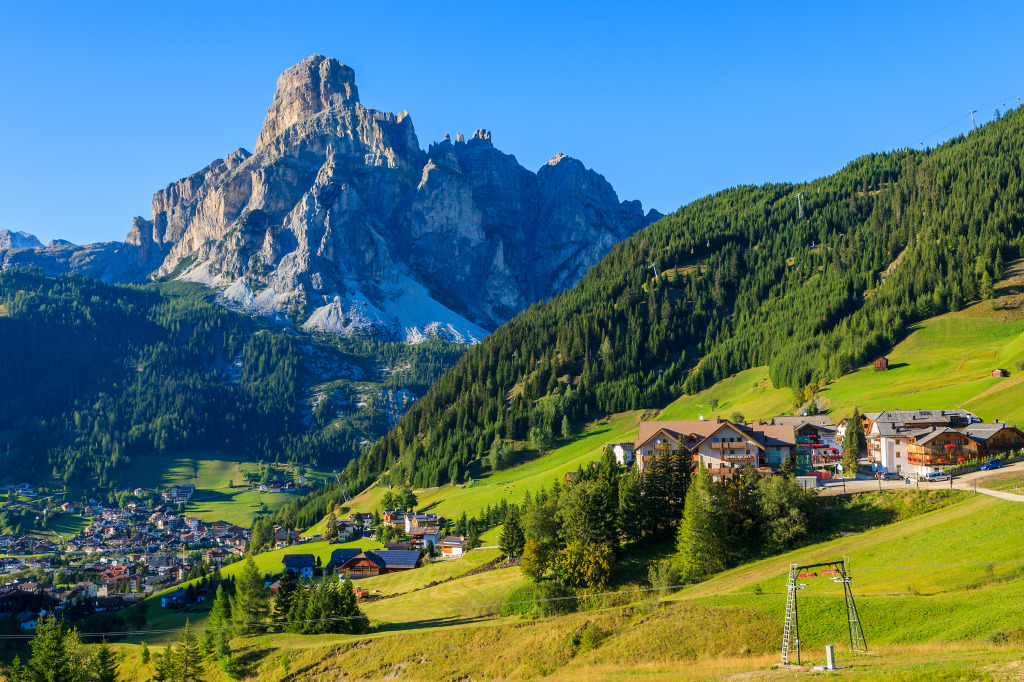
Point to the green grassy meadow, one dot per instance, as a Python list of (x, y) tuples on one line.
[(68, 525), (939, 595), (944, 363), (222, 492), (512, 484)]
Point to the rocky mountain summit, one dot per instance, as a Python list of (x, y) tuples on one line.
[(339, 221)]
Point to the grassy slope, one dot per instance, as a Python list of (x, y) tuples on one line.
[(930, 606), (944, 363), (211, 472), (512, 484), (953, 575), (68, 525)]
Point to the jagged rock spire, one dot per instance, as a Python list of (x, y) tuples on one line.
[(313, 85)]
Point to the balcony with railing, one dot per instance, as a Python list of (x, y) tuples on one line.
[(942, 454), (729, 446), (1003, 445)]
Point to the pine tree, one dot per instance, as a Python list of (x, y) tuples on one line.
[(512, 538), (106, 664), (229, 666), (297, 613), (208, 643), (630, 508), (285, 598), (701, 538), (143, 653), (315, 609), (566, 427), (52, 659), (220, 612), (165, 665), (189, 656), (678, 481), (250, 605), (355, 621), (853, 443)]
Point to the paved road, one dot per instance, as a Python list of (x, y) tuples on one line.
[(864, 484)]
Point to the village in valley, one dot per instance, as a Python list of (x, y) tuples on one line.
[(150, 546)]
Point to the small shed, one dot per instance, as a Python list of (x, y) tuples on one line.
[(881, 364), (1000, 373)]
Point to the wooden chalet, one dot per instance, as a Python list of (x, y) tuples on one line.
[(381, 562)]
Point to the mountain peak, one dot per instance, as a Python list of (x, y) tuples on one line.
[(18, 240), (315, 84)]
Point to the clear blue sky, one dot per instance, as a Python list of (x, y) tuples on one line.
[(105, 103)]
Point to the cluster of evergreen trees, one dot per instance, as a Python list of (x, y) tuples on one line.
[(574, 531), (744, 281), (318, 608), (58, 656)]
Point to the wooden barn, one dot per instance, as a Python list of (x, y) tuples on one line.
[(1000, 373), (881, 364)]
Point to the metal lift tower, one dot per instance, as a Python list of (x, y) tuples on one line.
[(799, 205), (791, 628)]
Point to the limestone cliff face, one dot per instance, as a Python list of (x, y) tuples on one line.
[(340, 219), (17, 240)]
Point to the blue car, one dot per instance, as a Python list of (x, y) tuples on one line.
[(990, 465)]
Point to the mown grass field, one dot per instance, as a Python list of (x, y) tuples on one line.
[(68, 525), (222, 492)]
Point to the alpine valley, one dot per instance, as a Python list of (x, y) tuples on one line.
[(346, 408)]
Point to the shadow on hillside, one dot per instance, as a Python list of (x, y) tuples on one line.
[(897, 365), (432, 623), (250, 658), (212, 496)]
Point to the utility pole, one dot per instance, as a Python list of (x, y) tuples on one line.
[(973, 126), (654, 266), (799, 205)]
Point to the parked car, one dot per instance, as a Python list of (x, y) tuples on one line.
[(991, 464), (936, 476), (891, 476)]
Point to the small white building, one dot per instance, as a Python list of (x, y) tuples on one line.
[(623, 453), (453, 546)]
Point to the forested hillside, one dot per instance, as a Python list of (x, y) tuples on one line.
[(92, 375), (742, 280)]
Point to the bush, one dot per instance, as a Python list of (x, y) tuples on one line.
[(585, 638), (591, 637), (554, 597)]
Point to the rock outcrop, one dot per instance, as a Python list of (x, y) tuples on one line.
[(341, 222), (17, 240)]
